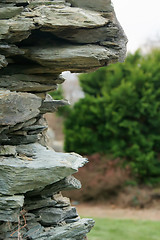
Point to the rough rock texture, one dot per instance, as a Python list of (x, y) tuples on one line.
[(38, 40)]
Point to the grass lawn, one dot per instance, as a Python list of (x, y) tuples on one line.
[(113, 229)]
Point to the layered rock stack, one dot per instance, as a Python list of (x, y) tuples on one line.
[(40, 39)]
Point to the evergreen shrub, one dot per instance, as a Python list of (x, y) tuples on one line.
[(120, 115)]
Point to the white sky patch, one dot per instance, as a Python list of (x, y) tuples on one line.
[(140, 20)]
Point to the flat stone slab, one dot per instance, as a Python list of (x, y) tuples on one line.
[(13, 202), (9, 12), (78, 58), (52, 216), (10, 208), (68, 18), (73, 231), (18, 107), (42, 168)]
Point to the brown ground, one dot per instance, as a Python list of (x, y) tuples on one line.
[(105, 211)]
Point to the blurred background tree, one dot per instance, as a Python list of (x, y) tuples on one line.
[(120, 115)]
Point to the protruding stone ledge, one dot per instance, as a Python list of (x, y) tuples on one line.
[(25, 173)]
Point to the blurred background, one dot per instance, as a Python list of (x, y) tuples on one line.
[(114, 121)]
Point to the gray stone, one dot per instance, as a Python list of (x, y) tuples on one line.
[(33, 71), (7, 150), (15, 30), (4, 29), (17, 107), (10, 208), (72, 231), (51, 106), (89, 35), (31, 205), (19, 126), (54, 18), (34, 129), (10, 50), (76, 58), (13, 84), (22, 175), (68, 183), (57, 3), (10, 230), (9, 12), (2, 129), (34, 231), (72, 220), (13, 76), (53, 216), (18, 139), (13, 202), (10, 215)]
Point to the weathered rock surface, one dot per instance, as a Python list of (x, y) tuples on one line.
[(53, 216), (38, 40), (17, 107), (74, 58), (10, 208), (34, 167), (51, 36), (72, 231)]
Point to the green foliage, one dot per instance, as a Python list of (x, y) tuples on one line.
[(58, 94), (120, 114)]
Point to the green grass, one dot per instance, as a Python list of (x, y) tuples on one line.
[(112, 229)]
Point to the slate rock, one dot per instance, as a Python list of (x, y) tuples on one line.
[(7, 150), (91, 35), (53, 216), (10, 208), (72, 231), (9, 12), (17, 140), (13, 202), (21, 175), (68, 183), (52, 105), (10, 50), (13, 84), (34, 231), (18, 107), (76, 58), (34, 204), (54, 18)]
